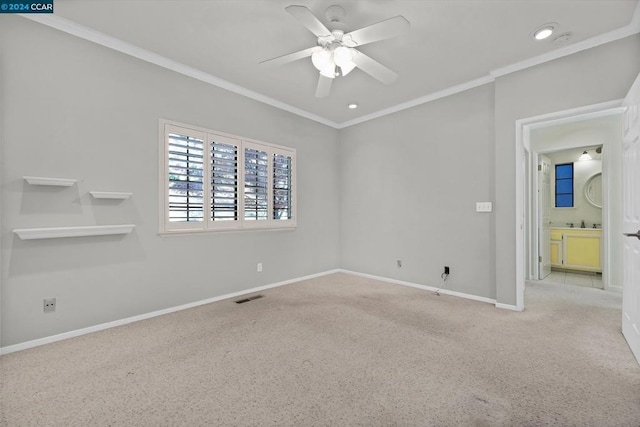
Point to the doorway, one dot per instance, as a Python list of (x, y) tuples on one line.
[(569, 201), (575, 129)]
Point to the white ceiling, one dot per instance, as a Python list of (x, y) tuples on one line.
[(450, 43)]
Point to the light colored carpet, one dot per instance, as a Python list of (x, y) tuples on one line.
[(340, 350)]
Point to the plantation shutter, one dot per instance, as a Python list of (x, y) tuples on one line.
[(256, 197), (213, 181), (185, 157), (282, 187), (224, 180)]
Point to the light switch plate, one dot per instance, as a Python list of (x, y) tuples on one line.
[(484, 206)]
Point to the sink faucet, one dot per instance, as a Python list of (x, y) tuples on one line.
[(582, 225), (570, 224)]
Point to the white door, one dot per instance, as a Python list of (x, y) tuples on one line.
[(631, 220), (544, 217)]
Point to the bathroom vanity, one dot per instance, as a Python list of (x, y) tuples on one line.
[(577, 248)]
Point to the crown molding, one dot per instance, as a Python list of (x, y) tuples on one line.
[(611, 36), (419, 101), (105, 40), (102, 39)]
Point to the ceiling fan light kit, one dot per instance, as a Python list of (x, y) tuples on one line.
[(342, 56), (323, 61), (337, 50), (347, 68), (330, 57)]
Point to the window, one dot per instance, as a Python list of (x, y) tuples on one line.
[(282, 175), (564, 185), (224, 180), (256, 188), (215, 181), (186, 186)]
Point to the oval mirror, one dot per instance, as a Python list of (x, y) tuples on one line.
[(593, 190)]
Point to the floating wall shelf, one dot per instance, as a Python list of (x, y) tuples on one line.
[(59, 232), (109, 195), (58, 182)]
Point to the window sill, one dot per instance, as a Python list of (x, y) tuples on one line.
[(223, 231)]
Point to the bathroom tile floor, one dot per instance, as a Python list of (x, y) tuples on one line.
[(589, 280)]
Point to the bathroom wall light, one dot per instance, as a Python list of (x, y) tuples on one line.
[(352, 106), (585, 156)]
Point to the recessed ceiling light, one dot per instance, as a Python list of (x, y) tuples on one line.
[(544, 31), (353, 106)]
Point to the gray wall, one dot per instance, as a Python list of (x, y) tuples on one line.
[(74, 109), (400, 187), (597, 75), (410, 182)]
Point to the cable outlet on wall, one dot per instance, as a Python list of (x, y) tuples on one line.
[(259, 267), (49, 305)]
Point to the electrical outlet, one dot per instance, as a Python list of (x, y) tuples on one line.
[(399, 262), (49, 305), (259, 267), (446, 269)]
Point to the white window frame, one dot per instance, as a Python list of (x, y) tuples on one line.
[(167, 227)]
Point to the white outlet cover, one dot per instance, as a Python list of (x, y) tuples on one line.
[(484, 206)]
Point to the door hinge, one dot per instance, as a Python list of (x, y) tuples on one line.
[(539, 167), (539, 259)]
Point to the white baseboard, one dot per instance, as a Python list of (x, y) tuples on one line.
[(423, 287), (508, 307), (78, 332)]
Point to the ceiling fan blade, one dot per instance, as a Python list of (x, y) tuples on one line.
[(290, 57), (309, 20), (387, 29), (324, 86), (374, 68)]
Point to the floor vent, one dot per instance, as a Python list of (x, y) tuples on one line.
[(242, 301)]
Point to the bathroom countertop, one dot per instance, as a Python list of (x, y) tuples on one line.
[(577, 228)]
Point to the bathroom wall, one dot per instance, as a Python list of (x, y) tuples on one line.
[(582, 171)]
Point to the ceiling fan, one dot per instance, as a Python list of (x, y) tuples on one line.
[(336, 49)]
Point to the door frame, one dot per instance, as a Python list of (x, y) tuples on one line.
[(526, 226), (536, 216)]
